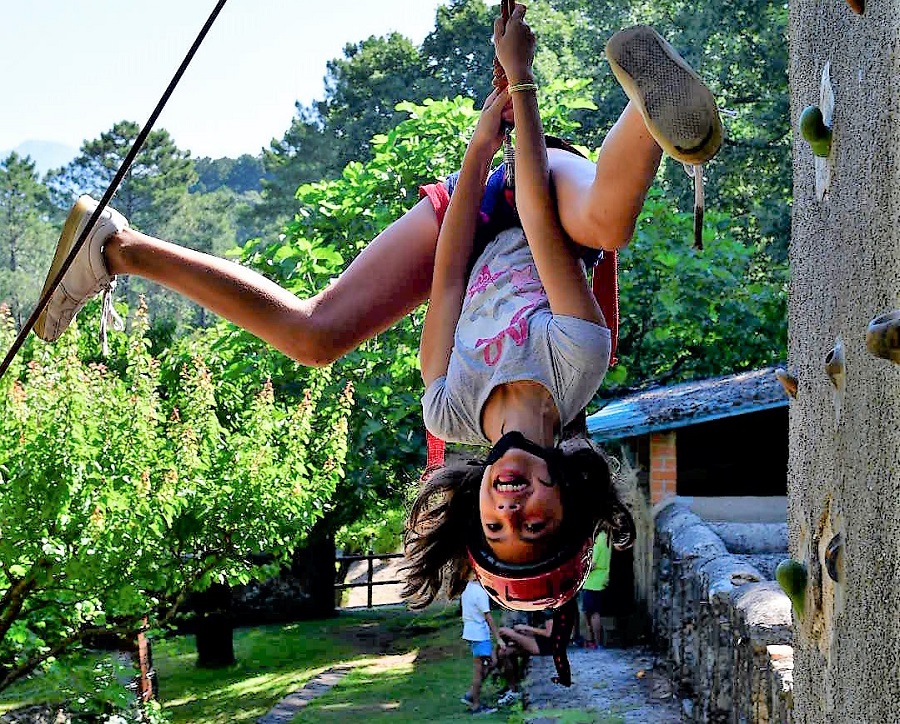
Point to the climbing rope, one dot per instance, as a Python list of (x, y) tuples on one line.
[(113, 187), (500, 82)]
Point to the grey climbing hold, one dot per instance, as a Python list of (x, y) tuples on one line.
[(833, 557)]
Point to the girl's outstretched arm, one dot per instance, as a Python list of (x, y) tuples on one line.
[(559, 270), (454, 246)]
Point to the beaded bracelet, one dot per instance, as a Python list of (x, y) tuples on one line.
[(516, 87)]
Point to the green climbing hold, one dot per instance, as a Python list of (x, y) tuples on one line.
[(814, 130), (791, 576)]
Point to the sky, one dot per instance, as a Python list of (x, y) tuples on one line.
[(70, 69)]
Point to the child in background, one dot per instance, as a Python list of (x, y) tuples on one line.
[(592, 594), (478, 629)]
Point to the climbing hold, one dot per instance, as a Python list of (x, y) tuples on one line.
[(788, 381), (792, 577), (883, 336), (835, 366), (833, 555), (857, 6), (814, 130)]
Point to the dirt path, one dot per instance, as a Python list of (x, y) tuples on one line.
[(618, 685)]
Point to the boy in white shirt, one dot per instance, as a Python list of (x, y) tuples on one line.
[(478, 629)]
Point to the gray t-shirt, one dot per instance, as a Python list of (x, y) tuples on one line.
[(506, 333)]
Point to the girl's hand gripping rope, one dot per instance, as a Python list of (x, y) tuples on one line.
[(514, 45), (489, 132)]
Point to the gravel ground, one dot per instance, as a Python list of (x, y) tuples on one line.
[(617, 683)]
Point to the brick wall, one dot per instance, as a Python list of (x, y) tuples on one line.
[(663, 466)]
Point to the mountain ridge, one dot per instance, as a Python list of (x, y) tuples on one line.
[(46, 155)]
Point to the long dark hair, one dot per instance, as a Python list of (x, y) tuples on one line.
[(444, 518)]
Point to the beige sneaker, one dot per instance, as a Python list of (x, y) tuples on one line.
[(86, 277), (679, 110)]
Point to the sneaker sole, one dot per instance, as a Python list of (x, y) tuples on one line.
[(678, 109), (73, 226)]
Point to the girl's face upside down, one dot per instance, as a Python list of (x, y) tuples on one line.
[(520, 507)]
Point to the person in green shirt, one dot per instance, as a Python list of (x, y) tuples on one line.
[(593, 593)]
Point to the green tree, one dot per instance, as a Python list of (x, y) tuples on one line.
[(241, 174), (154, 197), (458, 52), (305, 153), (362, 90), (688, 314), (118, 501), (26, 235), (152, 190)]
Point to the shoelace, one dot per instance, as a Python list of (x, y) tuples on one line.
[(696, 173), (109, 315)]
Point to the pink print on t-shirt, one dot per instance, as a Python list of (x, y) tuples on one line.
[(482, 281), (515, 291), (517, 331)]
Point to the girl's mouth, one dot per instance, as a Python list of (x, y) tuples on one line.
[(510, 483)]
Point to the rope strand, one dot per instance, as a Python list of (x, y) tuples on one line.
[(108, 194), (500, 82)]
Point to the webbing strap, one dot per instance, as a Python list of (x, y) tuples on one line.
[(606, 291), (113, 187), (435, 458)]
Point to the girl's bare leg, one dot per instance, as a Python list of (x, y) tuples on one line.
[(388, 279), (599, 204)]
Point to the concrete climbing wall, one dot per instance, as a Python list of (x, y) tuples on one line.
[(844, 470)]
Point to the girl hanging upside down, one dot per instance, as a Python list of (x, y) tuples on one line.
[(514, 344)]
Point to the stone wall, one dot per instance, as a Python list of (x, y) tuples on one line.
[(724, 628)]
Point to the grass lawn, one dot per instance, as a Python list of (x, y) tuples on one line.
[(404, 668)]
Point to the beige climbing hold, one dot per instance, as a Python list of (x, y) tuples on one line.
[(836, 369), (788, 382), (883, 336)]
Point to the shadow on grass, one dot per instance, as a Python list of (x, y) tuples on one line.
[(411, 691), (274, 661), (409, 667)]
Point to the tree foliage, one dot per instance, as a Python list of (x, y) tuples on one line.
[(739, 48), (153, 188), (117, 501), (689, 314), (25, 235), (155, 198)]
